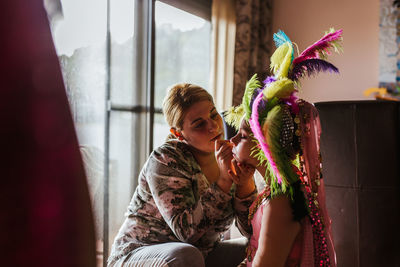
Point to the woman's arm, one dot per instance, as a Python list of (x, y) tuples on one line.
[(174, 183), (277, 234), (242, 176)]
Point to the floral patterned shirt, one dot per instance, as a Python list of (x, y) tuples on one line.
[(174, 202)]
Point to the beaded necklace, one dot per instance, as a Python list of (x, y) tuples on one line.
[(257, 202)]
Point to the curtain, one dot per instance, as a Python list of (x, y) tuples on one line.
[(223, 21), (253, 44)]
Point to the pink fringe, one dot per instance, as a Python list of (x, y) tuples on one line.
[(310, 139), (256, 129)]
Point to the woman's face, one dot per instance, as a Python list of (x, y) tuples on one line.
[(202, 126), (243, 142)]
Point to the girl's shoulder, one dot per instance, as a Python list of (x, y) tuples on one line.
[(296, 202)]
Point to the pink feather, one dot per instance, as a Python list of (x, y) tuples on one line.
[(322, 44), (257, 131), (292, 102)]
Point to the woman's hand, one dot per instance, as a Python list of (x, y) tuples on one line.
[(232, 171), (242, 176), (223, 155)]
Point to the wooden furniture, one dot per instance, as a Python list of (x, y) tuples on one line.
[(360, 147)]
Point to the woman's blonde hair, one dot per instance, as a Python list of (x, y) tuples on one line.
[(179, 98)]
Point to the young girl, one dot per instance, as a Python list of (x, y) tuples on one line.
[(185, 200), (279, 136)]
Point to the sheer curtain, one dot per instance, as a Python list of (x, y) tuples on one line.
[(223, 52), (241, 45)]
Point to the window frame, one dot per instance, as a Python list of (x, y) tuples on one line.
[(144, 41), (145, 44), (200, 8)]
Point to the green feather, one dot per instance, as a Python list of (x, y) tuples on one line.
[(269, 105), (283, 162), (270, 178), (257, 153), (251, 85)]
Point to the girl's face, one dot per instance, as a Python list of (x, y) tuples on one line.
[(243, 142), (202, 126)]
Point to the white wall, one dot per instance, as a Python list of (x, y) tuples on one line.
[(305, 21)]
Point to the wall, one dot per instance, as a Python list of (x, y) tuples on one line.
[(305, 21)]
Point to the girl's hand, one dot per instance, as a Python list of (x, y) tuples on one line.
[(242, 176), (241, 173)]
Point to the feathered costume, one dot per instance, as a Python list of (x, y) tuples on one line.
[(286, 130)]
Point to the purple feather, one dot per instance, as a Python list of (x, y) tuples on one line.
[(269, 80), (309, 67), (263, 102)]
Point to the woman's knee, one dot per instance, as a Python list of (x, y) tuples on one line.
[(186, 255), (174, 254)]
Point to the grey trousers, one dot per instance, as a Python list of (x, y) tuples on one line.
[(176, 254)]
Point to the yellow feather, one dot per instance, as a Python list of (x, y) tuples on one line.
[(281, 88), (281, 60)]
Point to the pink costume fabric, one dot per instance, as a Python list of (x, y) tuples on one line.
[(307, 247), (295, 254)]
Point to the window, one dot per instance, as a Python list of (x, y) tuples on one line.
[(116, 74), (182, 54)]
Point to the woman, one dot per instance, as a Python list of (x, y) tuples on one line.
[(185, 199), (279, 135)]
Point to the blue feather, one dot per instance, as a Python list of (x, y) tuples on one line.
[(310, 67), (280, 38)]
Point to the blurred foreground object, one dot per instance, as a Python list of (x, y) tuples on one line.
[(53, 9), (46, 218)]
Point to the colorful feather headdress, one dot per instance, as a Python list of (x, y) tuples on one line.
[(263, 104)]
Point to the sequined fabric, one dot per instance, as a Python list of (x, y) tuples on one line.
[(318, 248), (287, 131)]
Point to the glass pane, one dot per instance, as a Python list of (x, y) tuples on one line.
[(125, 164), (121, 165), (122, 52), (161, 130), (182, 49), (80, 38)]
